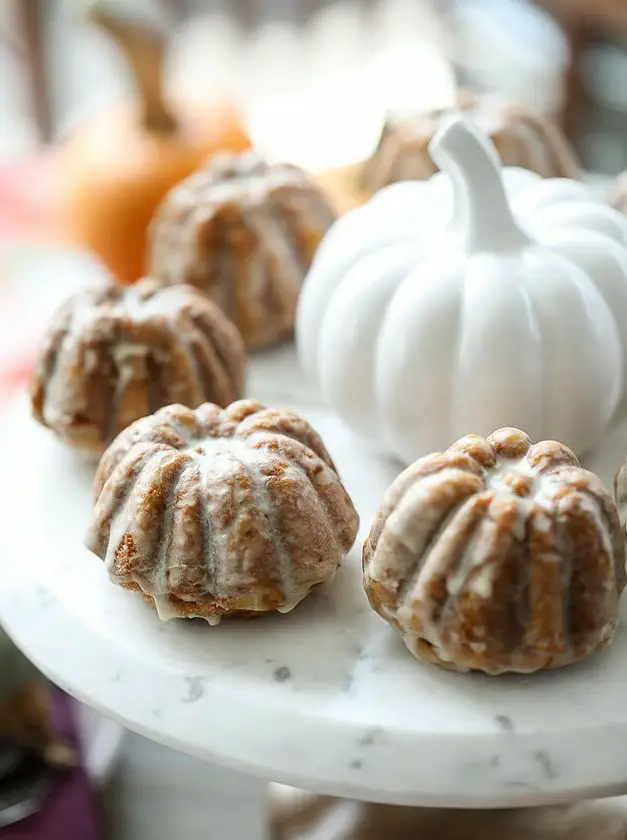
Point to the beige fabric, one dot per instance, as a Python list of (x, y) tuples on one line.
[(301, 816)]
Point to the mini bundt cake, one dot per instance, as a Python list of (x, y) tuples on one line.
[(245, 232), (497, 555), (113, 354), (522, 138), (213, 513)]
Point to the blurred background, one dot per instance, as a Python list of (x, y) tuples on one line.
[(315, 80), (313, 75)]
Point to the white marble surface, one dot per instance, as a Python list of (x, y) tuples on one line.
[(326, 698)]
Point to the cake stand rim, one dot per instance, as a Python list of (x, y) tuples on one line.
[(39, 623)]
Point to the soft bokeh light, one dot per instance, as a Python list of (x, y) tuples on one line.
[(338, 119)]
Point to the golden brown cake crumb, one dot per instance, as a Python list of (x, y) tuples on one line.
[(212, 513), (113, 354), (497, 555), (522, 138), (245, 232)]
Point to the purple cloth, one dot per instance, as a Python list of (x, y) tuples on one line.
[(71, 811)]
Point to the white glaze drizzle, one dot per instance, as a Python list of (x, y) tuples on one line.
[(413, 532), (217, 458), (60, 400)]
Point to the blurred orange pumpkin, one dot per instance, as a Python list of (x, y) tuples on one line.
[(117, 167)]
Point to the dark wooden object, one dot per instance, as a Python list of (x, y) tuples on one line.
[(29, 17)]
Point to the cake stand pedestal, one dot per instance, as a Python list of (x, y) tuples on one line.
[(326, 698)]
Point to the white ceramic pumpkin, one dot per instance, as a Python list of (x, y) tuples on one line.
[(480, 299)]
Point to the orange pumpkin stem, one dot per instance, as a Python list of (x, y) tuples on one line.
[(144, 47)]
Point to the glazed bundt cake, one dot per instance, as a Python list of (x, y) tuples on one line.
[(497, 555), (213, 513), (245, 232), (522, 138), (113, 354)]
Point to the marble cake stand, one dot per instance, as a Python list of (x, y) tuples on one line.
[(326, 698)]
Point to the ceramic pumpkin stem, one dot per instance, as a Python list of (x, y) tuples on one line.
[(144, 48), (482, 214)]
